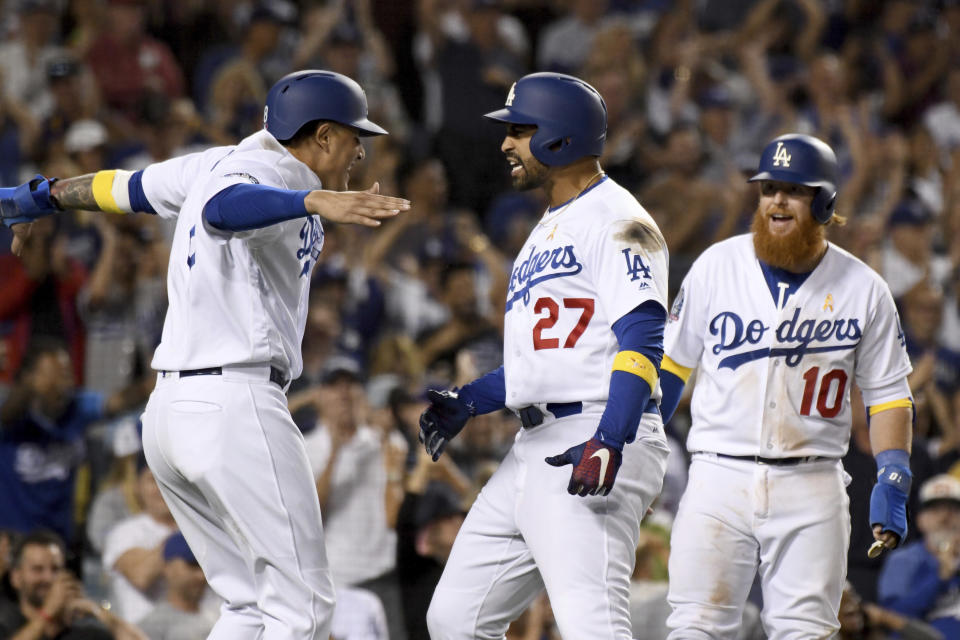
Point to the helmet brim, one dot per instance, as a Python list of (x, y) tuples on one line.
[(510, 116), (365, 128), (787, 176)]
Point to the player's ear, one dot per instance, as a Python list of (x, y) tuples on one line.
[(322, 135)]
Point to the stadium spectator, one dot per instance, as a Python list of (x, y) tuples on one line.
[(128, 62), (180, 615), (50, 601), (133, 553), (359, 484), (921, 580), (42, 427)]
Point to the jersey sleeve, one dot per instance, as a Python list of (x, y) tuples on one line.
[(232, 171), (166, 184), (881, 356), (630, 260), (686, 322)]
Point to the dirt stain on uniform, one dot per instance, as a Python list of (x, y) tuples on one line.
[(641, 235)]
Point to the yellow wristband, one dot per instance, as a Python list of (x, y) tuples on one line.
[(904, 403), (110, 190), (678, 370), (637, 364)]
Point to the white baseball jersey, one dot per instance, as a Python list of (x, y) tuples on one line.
[(585, 265), (776, 364), (231, 302)]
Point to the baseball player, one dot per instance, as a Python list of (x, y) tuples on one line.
[(217, 433), (779, 324), (582, 345)]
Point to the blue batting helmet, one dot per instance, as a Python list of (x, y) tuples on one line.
[(305, 96), (802, 159), (570, 116)]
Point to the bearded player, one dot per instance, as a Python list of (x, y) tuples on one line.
[(582, 346), (779, 324)]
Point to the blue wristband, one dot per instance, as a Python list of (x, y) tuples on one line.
[(893, 468)]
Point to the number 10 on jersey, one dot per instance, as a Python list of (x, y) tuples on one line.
[(827, 407)]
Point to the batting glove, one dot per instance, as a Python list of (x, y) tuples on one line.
[(26, 203), (888, 500), (442, 420), (595, 466)]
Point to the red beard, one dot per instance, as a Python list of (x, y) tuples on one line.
[(792, 251)]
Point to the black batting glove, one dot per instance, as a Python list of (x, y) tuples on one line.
[(442, 420)]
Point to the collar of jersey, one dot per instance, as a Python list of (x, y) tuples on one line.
[(579, 195)]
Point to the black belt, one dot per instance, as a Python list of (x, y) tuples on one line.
[(777, 462), (531, 416), (276, 376)]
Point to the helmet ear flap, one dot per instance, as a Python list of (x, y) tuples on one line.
[(823, 204)]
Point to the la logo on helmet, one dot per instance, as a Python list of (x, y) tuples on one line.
[(510, 95), (780, 158)]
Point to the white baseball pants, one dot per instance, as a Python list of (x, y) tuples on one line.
[(231, 465), (525, 532), (736, 516)]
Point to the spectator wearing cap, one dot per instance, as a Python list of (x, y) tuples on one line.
[(359, 484), (128, 63), (133, 552), (86, 141), (921, 579), (74, 98), (908, 255), (427, 525), (180, 616)]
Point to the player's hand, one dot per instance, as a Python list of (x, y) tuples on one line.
[(595, 466), (365, 208), (21, 231), (888, 505), (26, 203), (442, 420)]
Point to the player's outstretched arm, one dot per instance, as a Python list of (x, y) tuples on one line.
[(112, 191), (365, 208), (242, 207), (890, 438)]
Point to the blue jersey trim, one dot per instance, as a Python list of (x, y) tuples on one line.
[(138, 199), (775, 276), (579, 195)]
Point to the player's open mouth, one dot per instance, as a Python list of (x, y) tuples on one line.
[(515, 166)]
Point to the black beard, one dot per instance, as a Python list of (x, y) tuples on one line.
[(534, 176)]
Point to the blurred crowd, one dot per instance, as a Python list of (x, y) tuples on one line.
[(694, 89)]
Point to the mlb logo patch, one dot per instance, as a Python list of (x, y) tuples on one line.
[(677, 307)]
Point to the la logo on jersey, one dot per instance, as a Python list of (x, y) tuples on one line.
[(781, 158), (635, 266), (511, 95)]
